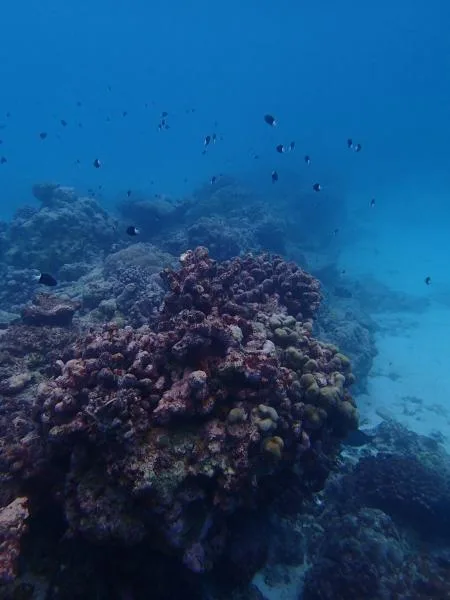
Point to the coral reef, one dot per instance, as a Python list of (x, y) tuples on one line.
[(343, 323), (365, 535), (226, 217), (49, 310), (27, 356), (175, 427), (153, 214), (127, 287), (12, 527), (222, 241), (361, 557), (66, 229), (404, 487)]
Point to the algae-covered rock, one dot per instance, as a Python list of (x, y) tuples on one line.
[(236, 415), (273, 446), (294, 357), (285, 337)]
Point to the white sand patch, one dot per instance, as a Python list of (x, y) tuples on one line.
[(410, 377)]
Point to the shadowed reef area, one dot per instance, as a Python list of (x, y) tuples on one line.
[(178, 414)]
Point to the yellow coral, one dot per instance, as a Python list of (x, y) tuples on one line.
[(273, 446)]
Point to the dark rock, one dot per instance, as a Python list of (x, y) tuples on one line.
[(48, 310)]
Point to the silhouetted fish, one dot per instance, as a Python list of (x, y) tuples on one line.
[(358, 438), (270, 120), (46, 279)]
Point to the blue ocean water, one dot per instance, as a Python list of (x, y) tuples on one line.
[(96, 78)]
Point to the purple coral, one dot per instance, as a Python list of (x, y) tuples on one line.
[(48, 310), (190, 416), (12, 527)]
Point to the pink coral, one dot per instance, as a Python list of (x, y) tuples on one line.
[(177, 415), (12, 527)]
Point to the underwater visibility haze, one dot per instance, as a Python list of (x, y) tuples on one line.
[(225, 300)]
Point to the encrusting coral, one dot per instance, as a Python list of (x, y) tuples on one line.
[(12, 527), (172, 428)]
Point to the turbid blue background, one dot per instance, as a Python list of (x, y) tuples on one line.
[(376, 71)]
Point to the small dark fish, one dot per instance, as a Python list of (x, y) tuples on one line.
[(46, 279), (335, 231), (357, 148), (372, 203), (342, 292), (97, 164), (164, 114), (207, 140), (213, 179), (43, 135), (214, 138), (291, 147), (132, 230), (3, 160), (358, 438), (78, 103), (124, 113), (280, 148), (128, 193), (8, 114), (428, 280), (349, 143), (163, 122), (270, 120), (78, 161), (317, 187), (343, 272), (307, 160), (274, 176), (63, 122), (108, 88)]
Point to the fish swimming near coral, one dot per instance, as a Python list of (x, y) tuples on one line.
[(357, 438), (132, 230), (46, 279)]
